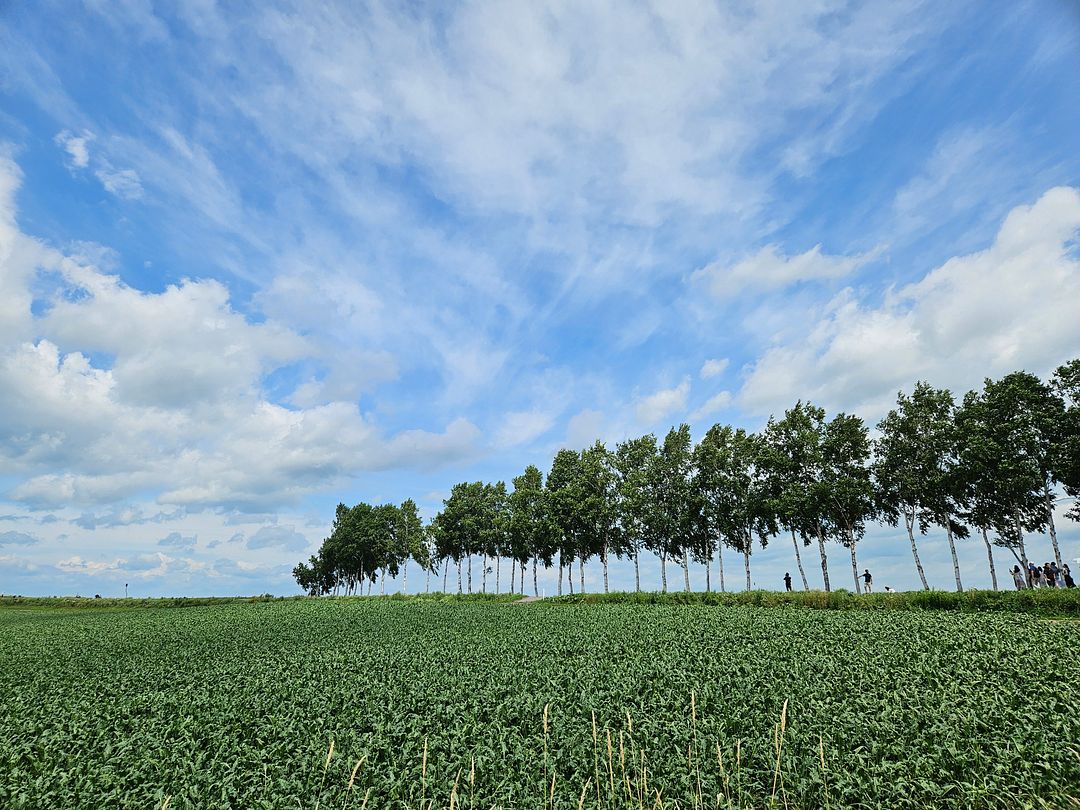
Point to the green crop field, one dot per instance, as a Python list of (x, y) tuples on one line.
[(492, 705)]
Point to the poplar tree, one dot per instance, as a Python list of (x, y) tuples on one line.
[(916, 470), (710, 495), (1066, 451), (531, 536), (564, 502), (846, 491), (784, 487), (598, 488), (634, 460), (799, 439), (668, 514), (1008, 445)]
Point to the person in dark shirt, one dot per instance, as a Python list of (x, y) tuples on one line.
[(1052, 575), (1066, 576), (787, 581), (868, 581)]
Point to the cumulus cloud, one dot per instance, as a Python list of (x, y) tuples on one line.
[(177, 406), (285, 538), (76, 146), (177, 541), (713, 368), (1010, 306), (770, 269), (124, 183), (17, 539), (521, 427), (712, 405), (126, 515), (662, 404), (77, 565)]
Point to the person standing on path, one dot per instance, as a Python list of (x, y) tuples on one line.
[(1067, 576), (1018, 578), (787, 581), (868, 581)]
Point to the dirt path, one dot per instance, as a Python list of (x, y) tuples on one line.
[(525, 599)]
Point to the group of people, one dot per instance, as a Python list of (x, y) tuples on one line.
[(1048, 576)]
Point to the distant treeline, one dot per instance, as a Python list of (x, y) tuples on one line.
[(990, 466)]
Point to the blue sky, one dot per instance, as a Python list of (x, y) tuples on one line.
[(259, 258)]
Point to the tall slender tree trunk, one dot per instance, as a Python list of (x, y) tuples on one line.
[(513, 574), (405, 576), (708, 572), (427, 584), (990, 558), (521, 586), (570, 575), (604, 560), (854, 563), (746, 564), (370, 582), (686, 569), (581, 570), (1020, 541), (909, 521), (536, 588), (637, 570), (468, 561), (824, 559), (952, 550), (459, 576), (498, 565), (798, 560), (720, 564), (483, 576), (560, 575), (445, 571), (663, 573), (1048, 496)]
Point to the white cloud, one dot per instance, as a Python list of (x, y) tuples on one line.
[(17, 539), (124, 183), (178, 541), (769, 269), (522, 427), (77, 565), (713, 368), (76, 146), (662, 404), (712, 405), (542, 106), (285, 538), (428, 450), (176, 406), (1010, 306), (584, 428)]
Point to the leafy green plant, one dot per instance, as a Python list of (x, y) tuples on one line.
[(433, 704)]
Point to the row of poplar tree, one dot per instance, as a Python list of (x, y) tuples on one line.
[(991, 465)]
